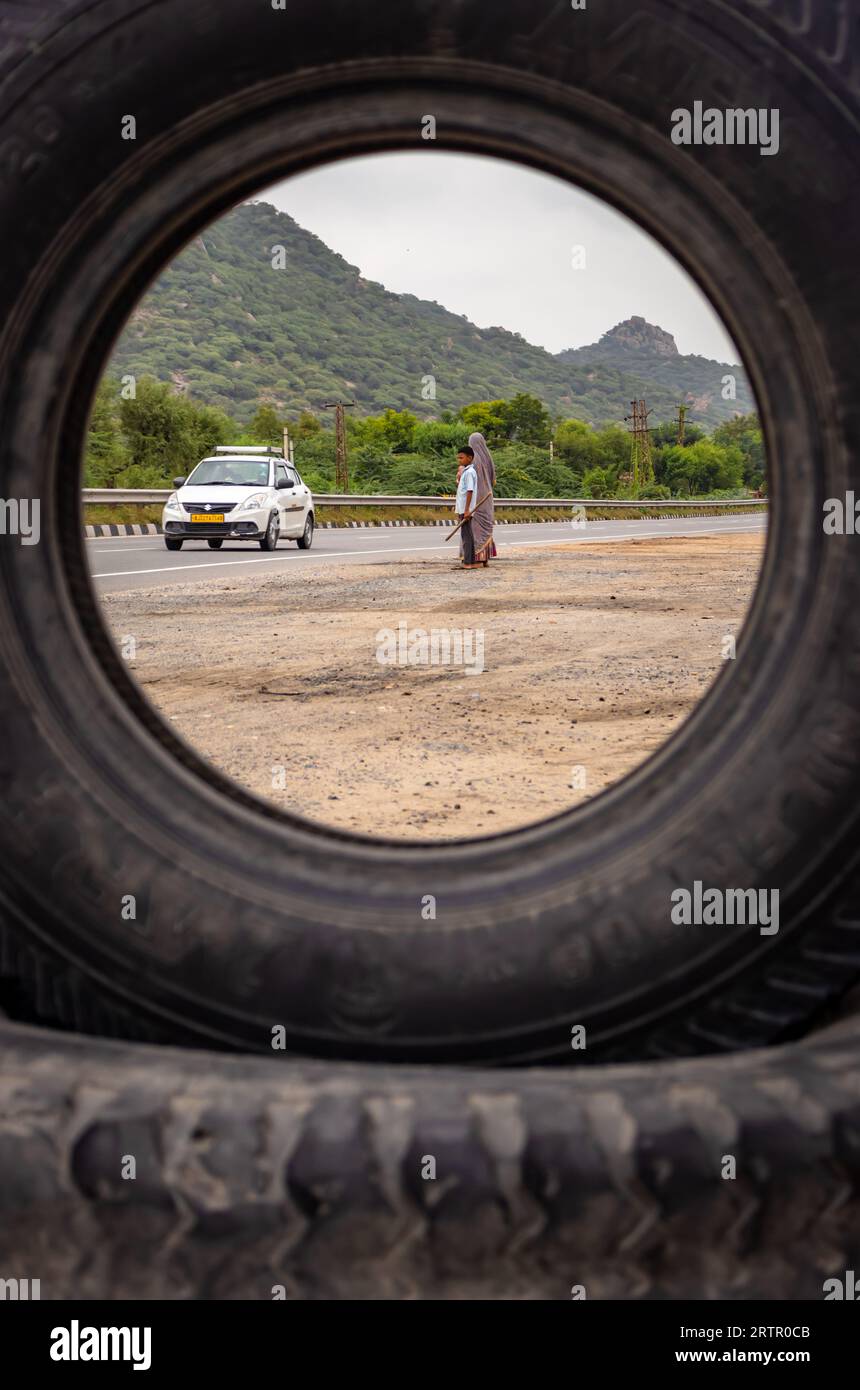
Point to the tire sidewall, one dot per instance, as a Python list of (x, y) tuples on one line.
[(249, 917)]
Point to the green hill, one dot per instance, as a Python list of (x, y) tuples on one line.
[(225, 325)]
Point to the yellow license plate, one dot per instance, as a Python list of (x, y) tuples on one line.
[(207, 516)]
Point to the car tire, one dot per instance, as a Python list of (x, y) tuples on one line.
[(137, 875), (172, 544), (215, 545), (306, 539), (273, 533)]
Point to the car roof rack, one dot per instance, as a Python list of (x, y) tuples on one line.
[(264, 450)]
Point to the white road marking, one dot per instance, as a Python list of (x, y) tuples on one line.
[(405, 550), (260, 560)]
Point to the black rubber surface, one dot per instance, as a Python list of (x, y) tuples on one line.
[(247, 919), (253, 1173)]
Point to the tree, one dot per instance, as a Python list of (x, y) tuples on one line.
[(266, 426), (527, 420), (315, 460), (597, 482), (154, 425), (167, 433), (425, 477), (744, 433), (703, 467), (582, 448), (307, 424), (206, 426), (105, 453), (443, 438), (524, 470), (575, 444), (398, 429), (666, 434), (612, 448), (487, 418)]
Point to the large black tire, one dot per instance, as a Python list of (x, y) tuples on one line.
[(253, 1173), (246, 918)]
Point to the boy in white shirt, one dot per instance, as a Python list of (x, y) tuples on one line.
[(467, 489)]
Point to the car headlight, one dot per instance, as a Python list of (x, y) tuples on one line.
[(173, 504), (251, 504)]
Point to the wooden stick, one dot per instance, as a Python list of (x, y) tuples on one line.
[(469, 517)]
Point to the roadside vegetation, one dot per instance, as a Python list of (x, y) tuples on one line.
[(146, 439)]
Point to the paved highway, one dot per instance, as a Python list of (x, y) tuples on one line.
[(137, 562)]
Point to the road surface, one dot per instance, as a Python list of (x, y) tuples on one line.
[(135, 562)]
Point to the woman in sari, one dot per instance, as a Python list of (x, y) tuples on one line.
[(483, 513)]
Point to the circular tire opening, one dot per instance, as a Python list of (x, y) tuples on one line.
[(373, 688)]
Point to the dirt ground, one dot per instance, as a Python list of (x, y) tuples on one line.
[(592, 655)]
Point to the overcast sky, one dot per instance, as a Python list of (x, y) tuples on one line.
[(493, 240)]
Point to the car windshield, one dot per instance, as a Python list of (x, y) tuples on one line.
[(229, 472)]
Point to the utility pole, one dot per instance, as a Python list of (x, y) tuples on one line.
[(640, 454), (288, 445), (682, 418), (341, 470)]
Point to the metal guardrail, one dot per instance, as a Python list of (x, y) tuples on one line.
[(152, 496), (104, 496)]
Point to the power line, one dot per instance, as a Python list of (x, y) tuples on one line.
[(641, 461)]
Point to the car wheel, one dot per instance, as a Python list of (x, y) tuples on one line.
[(172, 543), (273, 531), (215, 545), (306, 539)]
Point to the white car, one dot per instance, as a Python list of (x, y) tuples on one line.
[(240, 495)]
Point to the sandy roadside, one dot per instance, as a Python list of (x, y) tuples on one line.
[(592, 656)]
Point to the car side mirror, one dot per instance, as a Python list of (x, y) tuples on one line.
[(282, 483), (178, 482)]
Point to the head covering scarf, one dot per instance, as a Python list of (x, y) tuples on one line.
[(484, 516)]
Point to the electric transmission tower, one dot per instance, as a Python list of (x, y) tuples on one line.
[(341, 470), (641, 462)]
